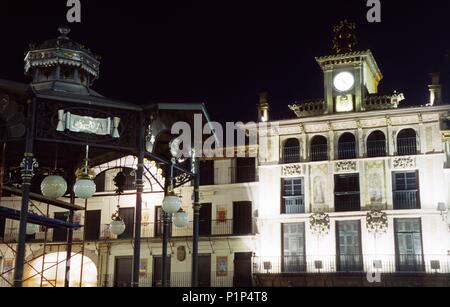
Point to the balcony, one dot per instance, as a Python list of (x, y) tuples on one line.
[(319, 153), (291, 155), (317, 264), (294, 205), (407, 146), (406, 200), (177, 280), (347, 201), (347, 151), (376, 149)]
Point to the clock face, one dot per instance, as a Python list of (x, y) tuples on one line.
[(344, 81)]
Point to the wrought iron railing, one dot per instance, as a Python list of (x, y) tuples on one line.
[(176, 280), (294, 205), (346, 263), (291, 154), (404, 200), (346, 150), (319, 152), (347, 201), (376, 149), (406, 146)]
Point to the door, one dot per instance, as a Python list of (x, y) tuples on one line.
[(205, 220), (127, 214), (123, 271), (60, 234), (204, 271), (92, 227), (408, 241), (242, 270), (349, 255), (157, 271), (242, 218), (294, 256), (2, 227)]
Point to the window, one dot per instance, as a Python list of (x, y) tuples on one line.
[(293, 196), (245, 170), (291, 151), (159, 222), (408, 245), (407, 142), (347, 147), (376, 145), (207, 172), (294, 256), (319, 149), (347, 193), (406, 190), (349, 256)]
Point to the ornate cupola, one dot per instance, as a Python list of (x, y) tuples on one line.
[(351, 79), (62, 62)]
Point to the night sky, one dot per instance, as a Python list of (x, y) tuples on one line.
[(223, 53)]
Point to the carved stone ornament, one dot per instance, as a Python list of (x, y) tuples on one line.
[(292, 170), (377, 222), (320, 223), (346, 166), (404, 163)]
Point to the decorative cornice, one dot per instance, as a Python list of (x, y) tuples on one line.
[(346, 166), (292, 170), (403, 163)]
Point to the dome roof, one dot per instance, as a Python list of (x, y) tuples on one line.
[(62, 51), (63, 41)]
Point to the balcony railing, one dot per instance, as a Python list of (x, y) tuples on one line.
[(406, 146), (347, 202), (319, 152), (294, 205), (317, 264), (291, 154), (347, 150), (406, 200), (376, 149), (176, 280)]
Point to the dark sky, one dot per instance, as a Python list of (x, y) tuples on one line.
[(223, 53)]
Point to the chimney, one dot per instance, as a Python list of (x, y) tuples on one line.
[(435, 90), (263, 107)]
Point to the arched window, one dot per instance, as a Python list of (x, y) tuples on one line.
[(347, 147), (291, 151), (376, 144), (319, 148), (407, 142)]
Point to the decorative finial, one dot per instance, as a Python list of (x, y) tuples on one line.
[(344, 40), (64, 31)]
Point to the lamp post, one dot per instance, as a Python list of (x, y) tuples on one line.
[(171, 205), (196, 208)]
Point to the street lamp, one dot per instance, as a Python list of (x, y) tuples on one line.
[(54, 187), (85, 186), (180, 219)]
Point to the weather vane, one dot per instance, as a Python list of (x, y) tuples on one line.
[(344, 40)]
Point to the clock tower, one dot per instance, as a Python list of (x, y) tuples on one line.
[(349, 76)]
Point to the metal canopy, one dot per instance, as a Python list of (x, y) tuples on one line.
[(37, 219)]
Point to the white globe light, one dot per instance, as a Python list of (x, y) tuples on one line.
[(117, 227), (181, 219), (171, 204), (31, 229), (53, 187), (84, 188)]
